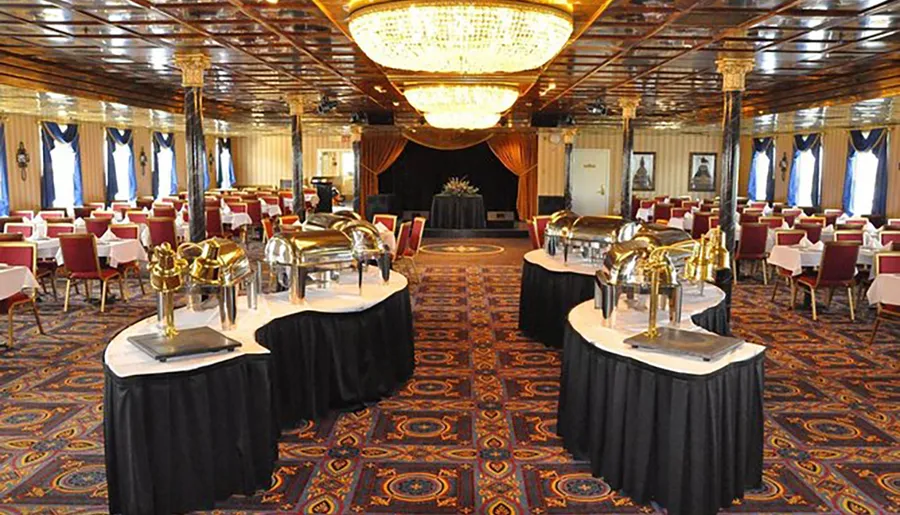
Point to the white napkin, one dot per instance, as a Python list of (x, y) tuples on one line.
[(297, 223), (108, 236), (828, 230), (870, 229), (381, 227), (37, 219), (784, 224), (804, 242), (79, 222), (802, 215), (767, 211), (225, 209), (843, 218)]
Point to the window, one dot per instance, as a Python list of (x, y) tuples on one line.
[(806, 166), (761, 175), (865, 171), (225, 166), (164, 171), (122, 158), (63, 158)]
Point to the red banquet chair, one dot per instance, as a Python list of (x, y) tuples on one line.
[(254, 211), (97, 226), (163, 211), (532, 235), (402, 240), (813, 231), (268, 229), (679, 212), (162, 230), (774, 222), (214, 223), (102, 215), (760, 205), (413, 243), (837, 269), (790, 215), (890, 238), (662, 211), (752, 247), (129, 232), (750, 216), (27, 214), (389, 221), (786, 237), (83, 263), (701, 225), (83, 211), (849, 235), (24, 229), (886, 263), (138, 217), (54, 230), (19, 254), (53, 213), (288, 220), (540, 227)]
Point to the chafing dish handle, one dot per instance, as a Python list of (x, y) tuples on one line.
[(604, 296), (384, 264)]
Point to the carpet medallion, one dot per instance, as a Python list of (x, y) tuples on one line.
[(474, 431), (462, 249)]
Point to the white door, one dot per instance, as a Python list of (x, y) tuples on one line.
[(590, 181)]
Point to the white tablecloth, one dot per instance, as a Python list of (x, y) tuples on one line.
[(885, 289), (124, 359), (236, 219), (645, 214), (794, 259), (116, 252), (686, 223), (14, 279), (46, 248), (575, 265), (588, 322)]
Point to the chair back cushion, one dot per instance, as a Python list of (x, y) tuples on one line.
[(540, 227), (97, 226), (254, 210), (750, 216), (838, 262), (389, 221), (889, 237), (647, 204), (753, 240), (403, 239), (162, 230), (26, 214), (789, 237), (701, 224), (288, 220), (774, 222), (662, 211), (54, 230), (679, 212), (12, 236), (416, 234), (79, 252), (887, 263), (268, 227), (856, 236), (19, 254), (138, 217), (21, 228), (163, 212), (125, 231), (214, 222), (238, 207), (52, 214)]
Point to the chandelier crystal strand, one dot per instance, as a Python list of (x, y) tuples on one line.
[(462, 120), (443, 36), (487, 98)]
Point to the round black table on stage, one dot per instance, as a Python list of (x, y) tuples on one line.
[(183, 434), (341, 355), (551, 288), (684, 433), (457, 212)]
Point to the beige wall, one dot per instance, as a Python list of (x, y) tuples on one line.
[(672, 149), (834, 163), (266, 159), (27, 194)]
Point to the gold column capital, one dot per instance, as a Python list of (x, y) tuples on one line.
[(192, 67), (569, 136), (734, 71), (356, 133), (629, 106), (295, 104)]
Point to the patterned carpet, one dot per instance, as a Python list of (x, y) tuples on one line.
[(474, 431)]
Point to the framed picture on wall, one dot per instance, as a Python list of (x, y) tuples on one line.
[(643, 171), (702, 172)]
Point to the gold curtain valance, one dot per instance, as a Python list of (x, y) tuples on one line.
[(442, 139)]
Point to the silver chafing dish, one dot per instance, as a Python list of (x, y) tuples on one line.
[(328, 244), (591, 236)]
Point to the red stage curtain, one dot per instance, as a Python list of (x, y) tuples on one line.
[(518, 152), (378, 151)]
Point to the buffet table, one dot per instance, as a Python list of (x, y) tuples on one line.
[(550, 288), (457, 212), (685, 433), (184, 433), (341, 350)]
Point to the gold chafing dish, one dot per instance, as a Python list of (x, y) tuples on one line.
[(591, 236), (220, 265)]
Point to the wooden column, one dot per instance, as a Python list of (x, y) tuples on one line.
[(569, 141), (295, 103), (629, 109), (192, 67), (733, 69), (356, 142)]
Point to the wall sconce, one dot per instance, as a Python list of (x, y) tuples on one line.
[(783, 166), (212, 159), (143, 160), (22, 160)]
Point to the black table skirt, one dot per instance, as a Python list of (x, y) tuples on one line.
[(339, 361), (452, 212), (179, 442), (546, 297), (692, 444)]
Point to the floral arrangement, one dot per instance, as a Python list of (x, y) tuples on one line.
[(459, 187)]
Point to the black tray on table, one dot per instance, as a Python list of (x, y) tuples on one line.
[(198, 340), (692, 344)]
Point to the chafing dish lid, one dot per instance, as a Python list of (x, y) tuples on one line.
[(309, 248), (216, 262)]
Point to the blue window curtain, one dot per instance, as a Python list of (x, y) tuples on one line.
[(767, 146), (225, 144), (4, 175), (51, 135), (164, 141), (802, 143), (205, 172), (876, 142), (115, 137)]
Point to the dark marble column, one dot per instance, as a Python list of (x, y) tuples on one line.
[(192, 67), (357, 163), (568, 140), (299, 205), (629, 109)]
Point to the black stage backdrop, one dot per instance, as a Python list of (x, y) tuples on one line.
[(420, 172)]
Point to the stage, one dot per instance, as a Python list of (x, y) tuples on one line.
[(493, 230)]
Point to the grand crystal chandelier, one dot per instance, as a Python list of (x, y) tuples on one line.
[(461, 37), (462, 106)]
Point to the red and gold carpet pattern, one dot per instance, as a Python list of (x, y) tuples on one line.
[(474, 430)]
